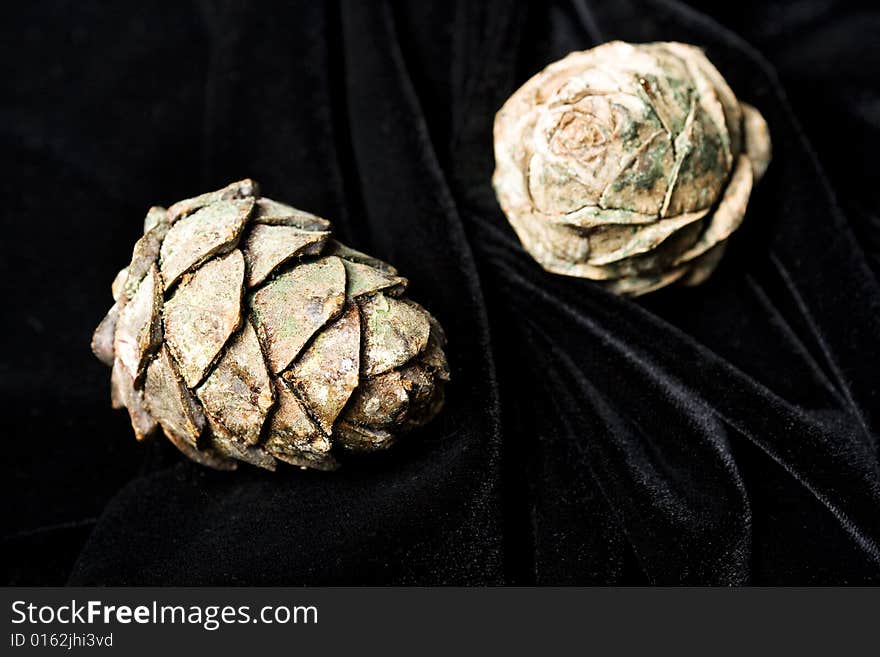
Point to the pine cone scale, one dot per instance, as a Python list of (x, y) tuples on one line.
[(394, 333), (138, 329), (238, 392), (267, 247), (212, 230), (290, 309), (292, 433), (327, 373), (124, 395), (202, 313), (274, 213), (363, 280), (170, 401), (144, 255)]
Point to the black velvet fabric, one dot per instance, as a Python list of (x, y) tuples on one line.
[(725, 434)]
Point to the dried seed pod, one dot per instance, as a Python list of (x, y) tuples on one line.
[(245, 332), (628, 164)]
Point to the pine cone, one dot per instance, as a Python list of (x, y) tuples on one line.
[(246, 332), (628, 164)]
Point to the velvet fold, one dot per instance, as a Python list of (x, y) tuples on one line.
[(724, 434)]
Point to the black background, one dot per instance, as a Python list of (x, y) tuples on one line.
[(719, 435)]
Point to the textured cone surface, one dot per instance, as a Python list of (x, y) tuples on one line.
[(247, 334), (628, 164)]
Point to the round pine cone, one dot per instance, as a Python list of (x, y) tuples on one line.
[(628, 164), (247, 333)]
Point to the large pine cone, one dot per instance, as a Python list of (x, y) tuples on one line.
[(628, 164), (245, 332)]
